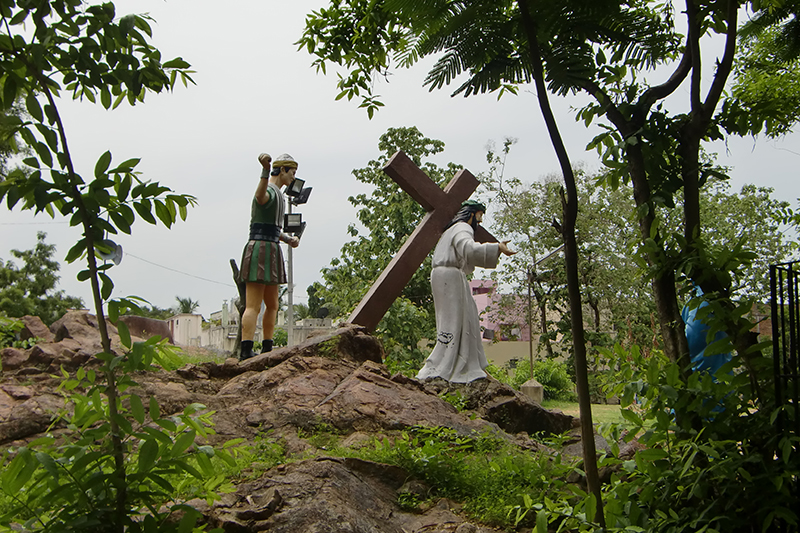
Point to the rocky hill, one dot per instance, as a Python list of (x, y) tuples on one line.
[(336, 381)]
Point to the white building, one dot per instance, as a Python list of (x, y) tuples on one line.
[(186, 329)]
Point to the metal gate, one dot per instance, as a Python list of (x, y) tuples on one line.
[(785, 285)]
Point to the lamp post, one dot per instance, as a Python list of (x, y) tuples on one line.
[(293, 223), (531, 275)]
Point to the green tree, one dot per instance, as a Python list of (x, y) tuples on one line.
[(607, 50), (389, 216), (300, 311), (30, 289), (148, 311), (613, 281), (9, 142), (107, 473), (317, 303), (614, 289), (186, 305)]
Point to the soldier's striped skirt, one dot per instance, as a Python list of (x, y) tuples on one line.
[(262, 262)]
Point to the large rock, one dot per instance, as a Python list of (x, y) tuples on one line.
[(368, 400), (33, 327), (144, 327), (329, 494), (25, 416), (501, 404), (13, 358)]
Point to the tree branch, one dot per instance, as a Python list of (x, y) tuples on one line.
[(725, 65), (693, 49), (658, 92)]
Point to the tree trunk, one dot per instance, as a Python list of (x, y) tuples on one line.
[(570, 213), (240, 306)]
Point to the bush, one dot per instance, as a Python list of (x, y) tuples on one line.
[(552, 374)]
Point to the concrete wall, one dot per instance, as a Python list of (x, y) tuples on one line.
[(186, 329), (310, 327)]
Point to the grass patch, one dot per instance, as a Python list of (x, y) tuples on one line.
[(601, 413), (490, 476)]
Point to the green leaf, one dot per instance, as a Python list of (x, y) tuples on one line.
[(541, 522), (155, 409), (126, 166), (651, 454), (137, 408), (205, 464), (44, 153), (18, 472), (163, 213), (105, 97), (148, 453), (124, 188), (49, 464), (124, 334), (631, 417), (161, 482), (32, 104), (76, 251), (107, 286), (144, 210), (188, 521), (9, 90), (120, 222), (178, 63), (183, 442), (102, 165)]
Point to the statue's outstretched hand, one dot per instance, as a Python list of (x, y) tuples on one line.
[(265, 160), (504, 249), (294, 242)]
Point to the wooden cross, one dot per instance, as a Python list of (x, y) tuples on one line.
[(442, 206)]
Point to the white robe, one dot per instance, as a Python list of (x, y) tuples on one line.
[(458, 355)]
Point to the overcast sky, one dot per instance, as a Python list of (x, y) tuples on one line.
[(257, 93)]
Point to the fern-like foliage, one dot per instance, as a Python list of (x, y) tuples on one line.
[(786, 20)]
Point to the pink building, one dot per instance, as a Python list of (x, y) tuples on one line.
[(508, 323)]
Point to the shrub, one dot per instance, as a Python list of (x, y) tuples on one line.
[(552, 374)]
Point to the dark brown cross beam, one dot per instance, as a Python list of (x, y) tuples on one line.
[(442, 206)]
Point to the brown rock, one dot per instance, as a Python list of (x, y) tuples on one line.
[(82, 327), (499, 403), (13, 358), (33, 327), (314, 495), (18, 392), (7, 404), (368, 401), (144, 328), (30, 417)]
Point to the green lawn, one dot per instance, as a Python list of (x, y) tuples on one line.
[(600, 413)]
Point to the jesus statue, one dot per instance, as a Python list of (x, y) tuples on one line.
[(458, 355)]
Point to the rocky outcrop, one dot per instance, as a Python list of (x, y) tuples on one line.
[(329, 494), (336, 381), (144, 327)]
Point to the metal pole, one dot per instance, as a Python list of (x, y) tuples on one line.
[(530, 321), (289, 293)]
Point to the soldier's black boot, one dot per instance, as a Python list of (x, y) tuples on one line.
[(266, 345), (246, 351)]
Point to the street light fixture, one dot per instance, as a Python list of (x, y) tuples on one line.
[(293, 223)]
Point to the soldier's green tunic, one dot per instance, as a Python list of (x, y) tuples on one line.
[(262, 259)]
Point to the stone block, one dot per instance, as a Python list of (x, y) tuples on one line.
[(533, 390)]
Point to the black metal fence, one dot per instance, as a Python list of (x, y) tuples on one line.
[(785, 282)]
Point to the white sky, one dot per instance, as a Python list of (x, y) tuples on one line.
[(257, 93)]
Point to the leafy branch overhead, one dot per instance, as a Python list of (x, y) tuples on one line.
[(83, 51), (49, 49)]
